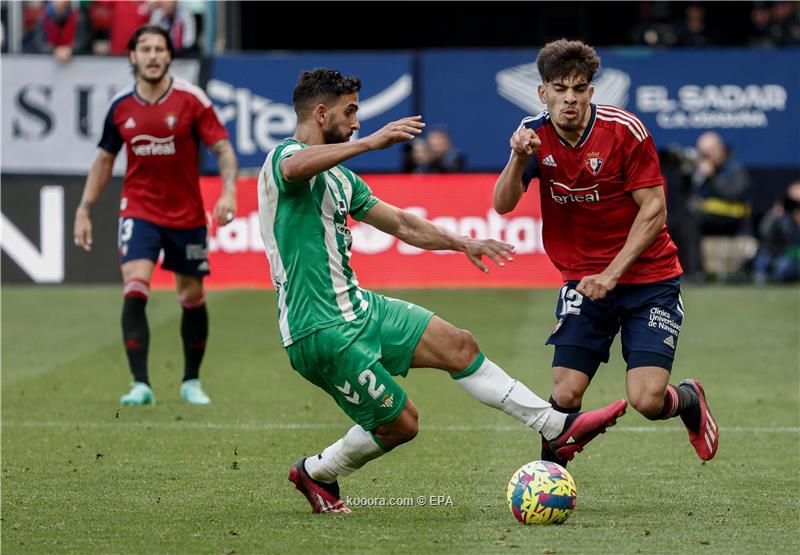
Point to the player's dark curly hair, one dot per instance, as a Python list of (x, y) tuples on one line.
[(567, 58), (150, 30), (321, 85)]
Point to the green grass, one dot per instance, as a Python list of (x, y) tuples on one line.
[(81, 476)]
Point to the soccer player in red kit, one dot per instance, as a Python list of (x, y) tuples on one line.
[(160, 119), (604, 214)]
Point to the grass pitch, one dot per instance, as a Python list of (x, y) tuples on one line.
[(80, 475)]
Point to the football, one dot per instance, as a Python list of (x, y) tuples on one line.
[(541, 492)]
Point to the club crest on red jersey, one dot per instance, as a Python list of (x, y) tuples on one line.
[(171, 121), (594, 162)]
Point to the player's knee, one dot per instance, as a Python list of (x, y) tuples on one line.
[(468, 349), (401, 430), (410, 430), (192, 296), (410, 423)]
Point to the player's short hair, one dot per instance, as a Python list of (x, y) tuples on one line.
[(150, 30), (321, 85), (567, 58)]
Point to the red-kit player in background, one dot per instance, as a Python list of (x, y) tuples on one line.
[(604, 214), (160, 119)]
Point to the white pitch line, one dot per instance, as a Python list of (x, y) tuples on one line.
[(309, 426)]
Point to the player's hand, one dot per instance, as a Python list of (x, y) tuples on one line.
[(596, 286), (225, 209), (82, 230), (395, 132), (496, 250), (525, 142), (63, 53)]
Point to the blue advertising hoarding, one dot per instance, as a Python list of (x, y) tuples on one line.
[(253, 96), (751, 97)]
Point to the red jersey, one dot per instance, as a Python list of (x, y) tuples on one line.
[(162, 180), (587, 206)]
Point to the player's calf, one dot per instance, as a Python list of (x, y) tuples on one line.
[(135, 330), (401, 430)]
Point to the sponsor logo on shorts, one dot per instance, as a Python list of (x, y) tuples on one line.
[(669, 342), (196, 252), (203, 266), (662, 319)]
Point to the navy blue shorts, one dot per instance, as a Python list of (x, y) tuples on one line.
[(185, 250), (649, 315)]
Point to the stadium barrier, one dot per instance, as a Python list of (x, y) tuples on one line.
[(462, 203), (37, 237)]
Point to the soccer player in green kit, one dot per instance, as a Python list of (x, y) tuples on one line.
[(349, 341)]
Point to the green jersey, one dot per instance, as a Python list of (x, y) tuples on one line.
[(305, 233)]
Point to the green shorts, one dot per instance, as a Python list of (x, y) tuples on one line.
[(354, 362)]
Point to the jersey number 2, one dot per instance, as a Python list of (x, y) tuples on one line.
[(369, 376)]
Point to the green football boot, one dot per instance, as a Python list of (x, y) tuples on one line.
[(140, 394), (192, 392)]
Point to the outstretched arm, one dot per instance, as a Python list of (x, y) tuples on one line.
[(225, 209), (424, 234), (310, 161), (648, 223), (96, 183)]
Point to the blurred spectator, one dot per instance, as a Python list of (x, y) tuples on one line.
[(778, 258), (435, 154), (677, 165), (654, 27), (693, 31), (62, 30), (720, 197), (179, 22), (774, 24), (760, 26), (126, 17)]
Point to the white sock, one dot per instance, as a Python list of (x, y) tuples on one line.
[(490, 385), (344, 457)]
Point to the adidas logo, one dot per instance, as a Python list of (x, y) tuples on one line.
[(549, 161), (570, 439), (669, 342), (203, 265), (130, 123)]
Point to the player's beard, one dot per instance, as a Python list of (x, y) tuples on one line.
[(332, 135), (152, 80)]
